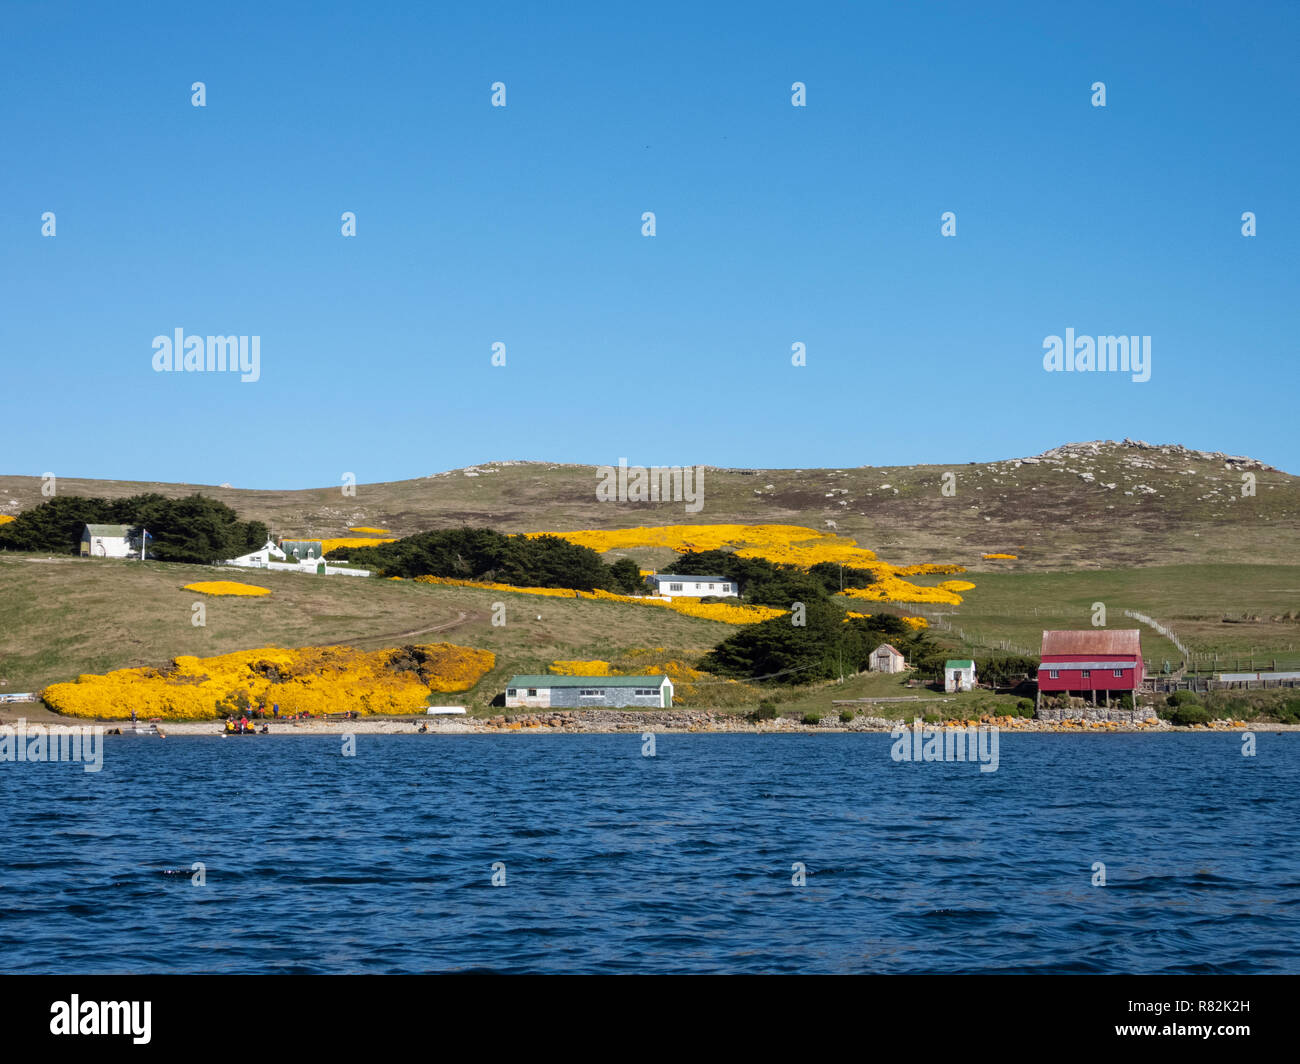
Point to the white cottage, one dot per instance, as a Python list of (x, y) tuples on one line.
[(958, 674), (594, 692), (260, 558), (674, 584), (106, 541)]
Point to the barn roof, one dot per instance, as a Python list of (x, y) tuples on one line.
[(692, 577), (586, 681), (959, 663), (1093, 641), (121, 531), (890, 647)]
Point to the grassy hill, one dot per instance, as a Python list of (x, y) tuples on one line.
[(66, 616), (1160, 530), (1095, 505)]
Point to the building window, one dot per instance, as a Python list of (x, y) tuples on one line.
[(646, 691), (1053, 674), (510, 692), (1119, 672), (1085, 673), (589, 692), (674, 587), (532, 692)]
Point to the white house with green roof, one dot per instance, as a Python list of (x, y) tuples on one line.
[(594, 692), (106, 541), (959, 674)]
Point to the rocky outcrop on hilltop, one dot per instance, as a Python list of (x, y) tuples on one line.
[(1146, 454)]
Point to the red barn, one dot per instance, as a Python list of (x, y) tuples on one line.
[(1096, 659)]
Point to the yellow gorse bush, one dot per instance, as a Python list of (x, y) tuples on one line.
[(915, 622), (892, 589), (327, 545), (312, 680), (371, 531), (783, 544), (6, 518), (709, 611), (786, 543), (226, 587), (683, 676), (1009, 557), (581, 668)]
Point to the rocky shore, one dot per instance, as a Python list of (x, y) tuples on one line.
[(612, 721)]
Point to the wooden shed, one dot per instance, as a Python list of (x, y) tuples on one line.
[(886, 658)]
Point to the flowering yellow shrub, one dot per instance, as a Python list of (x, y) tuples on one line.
[(916, 622), (709, 611), (226, 587), (327, 545), (725, 612), (371, 531), (792, 544), (889, 588), (312, 680), (5, 519), (581, 668), (957, 585), (782, 544), (1009, 557)]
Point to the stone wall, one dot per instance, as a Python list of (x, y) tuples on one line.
[(1081, 710)]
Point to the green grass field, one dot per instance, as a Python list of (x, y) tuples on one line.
[(62, 617), (1239, 612)]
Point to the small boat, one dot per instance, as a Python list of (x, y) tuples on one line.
[(150, 731)]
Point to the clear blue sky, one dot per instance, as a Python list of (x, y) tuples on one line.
[(522, 225)]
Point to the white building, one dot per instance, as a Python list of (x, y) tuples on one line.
[(306, 559), (886, 658), (958, 674), (673, 584), (594, 692), (259, 559), (106, 541)]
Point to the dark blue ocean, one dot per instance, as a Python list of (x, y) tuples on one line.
[(615, 862)]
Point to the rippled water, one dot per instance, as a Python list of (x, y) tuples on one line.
[(682, 862)]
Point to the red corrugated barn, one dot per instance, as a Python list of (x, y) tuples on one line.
[(1096, 660)]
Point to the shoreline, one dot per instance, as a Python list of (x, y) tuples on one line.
[(776, 727), (616, 722)]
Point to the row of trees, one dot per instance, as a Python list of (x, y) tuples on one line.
[(823, 647), (485, 554), (190, 529), (780, 651)]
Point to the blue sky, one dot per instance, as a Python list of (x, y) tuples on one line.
[(522, 225)]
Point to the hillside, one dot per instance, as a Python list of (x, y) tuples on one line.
[(1079, 506)]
